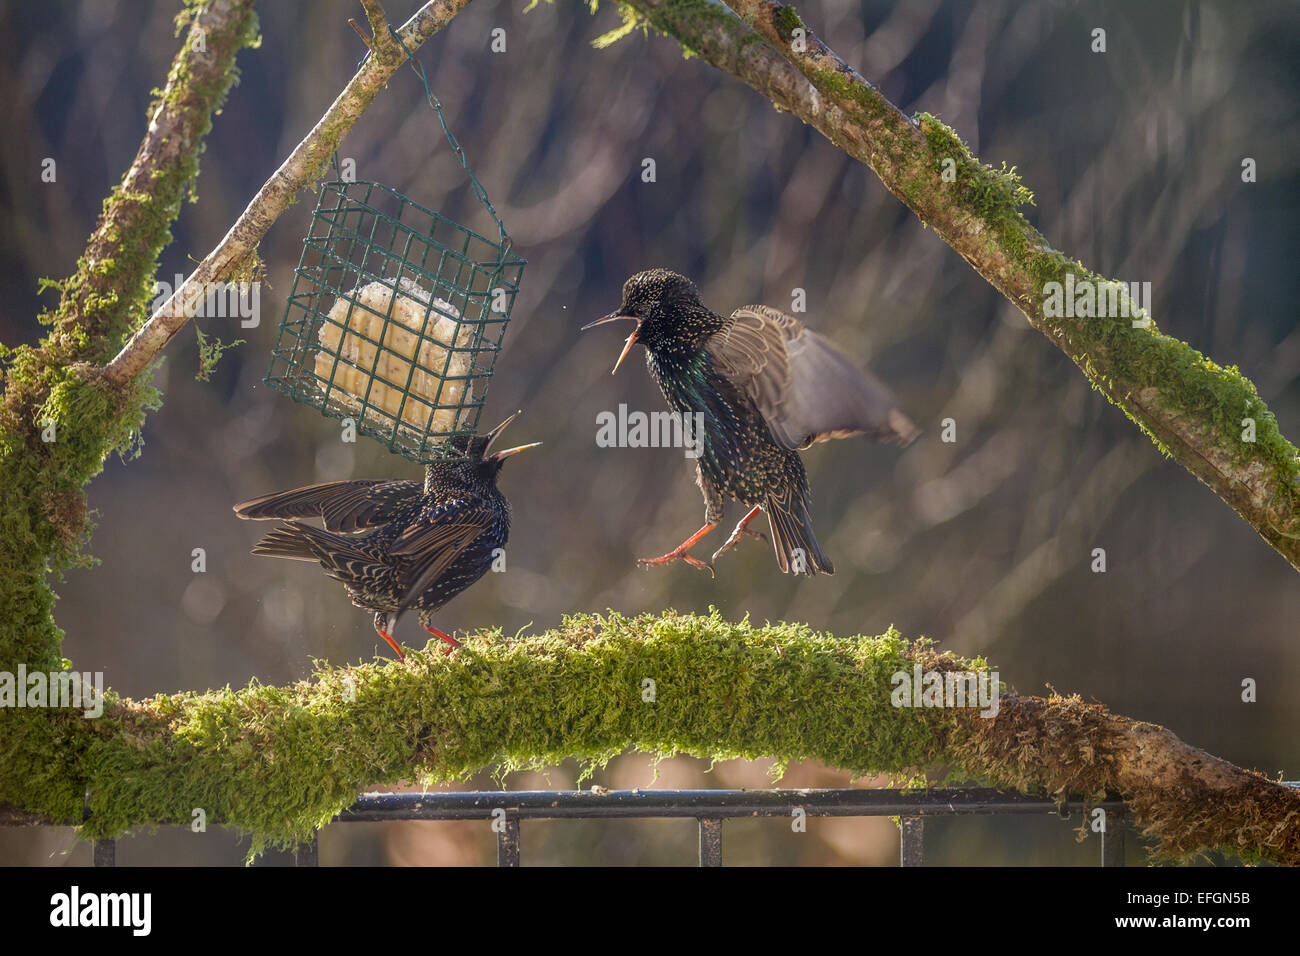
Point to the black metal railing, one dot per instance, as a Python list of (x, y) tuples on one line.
[(507, 809), (711, 807)]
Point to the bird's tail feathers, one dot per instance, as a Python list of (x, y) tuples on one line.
[(302, 542), (796, 547)]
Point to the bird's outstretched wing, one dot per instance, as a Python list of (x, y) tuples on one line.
[(806, 389), (345, 505), (431, 543)]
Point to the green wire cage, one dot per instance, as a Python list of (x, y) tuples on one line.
[(396, 315)]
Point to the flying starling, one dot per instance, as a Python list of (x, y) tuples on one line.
[(398, 544), (766, 387)]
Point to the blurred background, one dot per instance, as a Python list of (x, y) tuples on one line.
[(984, 544)]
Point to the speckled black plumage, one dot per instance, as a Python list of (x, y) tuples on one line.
[(767, 387), (398, 544)]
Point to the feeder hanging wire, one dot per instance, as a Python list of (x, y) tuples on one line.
[(356, 364)]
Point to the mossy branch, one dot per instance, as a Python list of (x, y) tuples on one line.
[(58, 420), (1210, 419), (106, 297), (281, 761)]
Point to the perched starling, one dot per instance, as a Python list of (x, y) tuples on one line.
[(427, 544), (766, 387)]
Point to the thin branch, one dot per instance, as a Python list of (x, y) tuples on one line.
[(301, 168), (1194, 410), (356, 28), (280, 761)]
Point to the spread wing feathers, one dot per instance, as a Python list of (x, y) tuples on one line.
[(430, 545), (805, 388), (345, 505)]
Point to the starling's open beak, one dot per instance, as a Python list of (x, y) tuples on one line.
[(631, 339), (503, 455)]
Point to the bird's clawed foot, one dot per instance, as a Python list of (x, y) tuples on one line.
[(679, 553), (452, 643), (391, 643), (742, 529), (676, 555)]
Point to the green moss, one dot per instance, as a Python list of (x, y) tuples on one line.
[(787, 21), (988, 190), (631, 20), (868, 103), (1110, 350), (279, 762), (210, 352), (251, 268), (243, 33), (993, 195), (49, 391), (686, 21), (46, 529)]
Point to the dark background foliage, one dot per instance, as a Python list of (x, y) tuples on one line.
[(985, 545)]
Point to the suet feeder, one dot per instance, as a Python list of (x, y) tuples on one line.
[(396, 315)]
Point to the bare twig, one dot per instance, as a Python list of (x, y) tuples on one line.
[(356, 28)]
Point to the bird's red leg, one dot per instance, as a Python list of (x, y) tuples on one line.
[(680, 552), (742, 529), (391, 643), (451, 641)]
